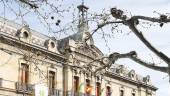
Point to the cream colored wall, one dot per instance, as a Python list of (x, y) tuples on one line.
[(9, 66), (114, 84), (59, 78), (116, 87), (8, 93), (9, 70), (143, 92), (70, 79)]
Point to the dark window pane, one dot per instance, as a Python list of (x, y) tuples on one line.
[(108, 91), (121, 93), (24, 73), (98, 89), (88, 87)]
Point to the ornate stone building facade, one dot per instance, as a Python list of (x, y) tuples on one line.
[(64, 67)]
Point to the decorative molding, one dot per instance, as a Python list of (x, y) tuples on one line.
[(8, 30), (132, 74), (24, 34), (120, 70), (51, 45), (98, 78), (87, 51), (37, 41), (146, 79)]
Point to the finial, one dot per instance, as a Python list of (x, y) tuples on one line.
[(82, 7), (82, 2)]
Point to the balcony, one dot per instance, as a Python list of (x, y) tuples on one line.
[(70, 93), (55, 92), (24, 88)]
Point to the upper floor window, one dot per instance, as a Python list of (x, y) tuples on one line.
[(51, 84), (88, 88), (98, 89), (24, 73), (121, 92), (76, 84), (108, 91), (133, 94)]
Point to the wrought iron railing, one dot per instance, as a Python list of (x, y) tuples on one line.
[(24, 88), (71, 93), (55, 92)]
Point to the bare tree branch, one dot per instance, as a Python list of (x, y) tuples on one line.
[(147, 43), (162, 18), (102, 25), (150, 65), (131, 23), (133, 56), (32, 5)]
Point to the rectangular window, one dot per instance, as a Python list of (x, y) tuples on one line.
[(98, 89), (24, 73), (51, 84), (121, 92), (76, 84), (88, 87), (108, 91)]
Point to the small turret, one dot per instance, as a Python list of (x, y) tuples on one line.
[(83, 23)]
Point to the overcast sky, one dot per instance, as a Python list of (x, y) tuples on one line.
[(124, 43)]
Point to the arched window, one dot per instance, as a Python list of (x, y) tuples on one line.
[(51, 84), (88, 88), (76, 85), (24, 72), (121, 92), (108, 91), (98, 89), (133, 94)]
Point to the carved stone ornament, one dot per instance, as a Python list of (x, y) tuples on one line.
[(24, 33), (132, 74), (148, 91), (146, 79), (76, 62), (105, 60), (98, 78), (71, 58), (51, 45), (86, 36), (87, 51), (120, 70)]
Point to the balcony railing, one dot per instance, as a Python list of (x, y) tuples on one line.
[(71, 93), (1, 82), (24, 88), (55, 92)]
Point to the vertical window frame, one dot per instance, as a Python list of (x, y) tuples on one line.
[(108, 91), (49, 69), (122, 91), (88, 84), (24, 62), (98, 88), (76, 84), (133, 93)]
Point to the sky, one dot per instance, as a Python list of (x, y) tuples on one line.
[(123, 42)]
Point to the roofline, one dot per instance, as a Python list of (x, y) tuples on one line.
[(2, 36), (138, 83)]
